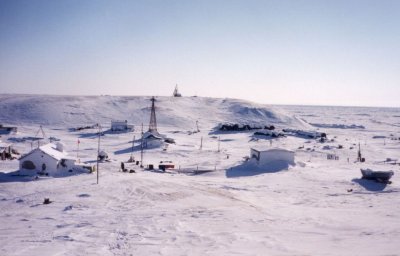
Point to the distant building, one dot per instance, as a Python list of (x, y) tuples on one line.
[(49, 159), (117, 125), (7, 129), (152, 139), (265, 156)]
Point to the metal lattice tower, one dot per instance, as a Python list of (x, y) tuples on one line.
[(153, 120)]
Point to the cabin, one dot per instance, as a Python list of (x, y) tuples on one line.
[(49, 159), (265, 156), (120, 126)]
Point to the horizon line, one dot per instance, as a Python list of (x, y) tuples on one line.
[(273, 104)]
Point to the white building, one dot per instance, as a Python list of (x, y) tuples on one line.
[(49, 159), (265, 156), (118, 125), (152, 139)]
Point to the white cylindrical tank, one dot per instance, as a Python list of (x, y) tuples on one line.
[(60, 146)]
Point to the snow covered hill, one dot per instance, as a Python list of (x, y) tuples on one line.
[(171, 112)]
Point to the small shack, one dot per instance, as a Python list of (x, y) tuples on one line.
[(265, 156), (120, 126), (49, 159)]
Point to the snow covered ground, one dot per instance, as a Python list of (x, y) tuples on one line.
[(317, 207)]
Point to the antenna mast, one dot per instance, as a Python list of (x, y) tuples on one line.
[(43, 134), (153, 120)]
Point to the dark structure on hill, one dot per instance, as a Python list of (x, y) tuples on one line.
[(153, 119), (176, 92)]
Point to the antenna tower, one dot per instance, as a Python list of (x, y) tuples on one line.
[(43, 135), (153, 120)]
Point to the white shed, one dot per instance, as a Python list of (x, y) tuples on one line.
[(152, 139), (265, 156), (118, 125), (49, 159)]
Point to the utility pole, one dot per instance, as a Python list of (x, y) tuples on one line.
[(133, 145), (201, 143), (359, 156), (141, 150), (219, 142), (77, 152), (98, 153)]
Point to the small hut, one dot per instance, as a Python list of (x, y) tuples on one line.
[(120, 126)]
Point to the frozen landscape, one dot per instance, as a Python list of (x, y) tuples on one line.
[(314, 206)]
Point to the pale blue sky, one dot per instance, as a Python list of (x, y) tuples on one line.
[(279, 52)]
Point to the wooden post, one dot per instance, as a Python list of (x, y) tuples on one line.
[(98, 153), (133, 145), (77, 152), (141, 150)]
